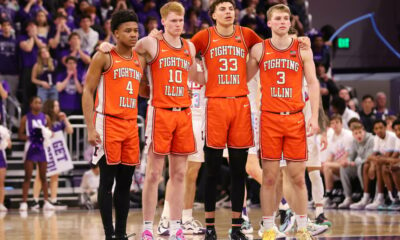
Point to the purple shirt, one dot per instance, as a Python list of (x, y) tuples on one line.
[(7, 13), (69, 98), (33, 126), (82, 67), (47, 75), (29, 58), (8, 56), (58, 126)]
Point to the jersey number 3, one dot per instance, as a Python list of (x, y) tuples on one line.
[(282, 77)]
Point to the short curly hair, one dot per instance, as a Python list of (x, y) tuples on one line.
[(122, 16)]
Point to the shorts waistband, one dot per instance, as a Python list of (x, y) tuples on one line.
[(232, 97), (285, 113), (176, 109), (112, 116)]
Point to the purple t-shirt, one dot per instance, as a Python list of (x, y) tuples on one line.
[(8, 56), (58, 126), (7, 13), (69, 98), (29, 58), (82, 67), (62, 45)]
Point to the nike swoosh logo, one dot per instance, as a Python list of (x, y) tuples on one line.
[(163, 50), (268, 53), (216, 40), (246, 105), (117, 61)]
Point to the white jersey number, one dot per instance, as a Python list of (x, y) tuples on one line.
[(129, 87), (282, 78), (178, 76), (231, 62)]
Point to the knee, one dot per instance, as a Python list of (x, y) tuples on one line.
[(298, 181), (177, 176), (153, 176), (269, 182)]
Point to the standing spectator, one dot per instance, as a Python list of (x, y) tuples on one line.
[(108, 36), (76, 51), (29, 44), (69, 86), (367, 116), (6, 12), (192, 22), (58, 36), (381, 111), (43, 75), (148, 9), (68, 10), (105, 10), (339, 107), (361, 147), (328, 89), (5, 142), (150, 24), (28, 11), (88, 36), (389, 121), (89, 185), (338, 152), (43, 27), (4, 91), (351, 102), (321, 51)]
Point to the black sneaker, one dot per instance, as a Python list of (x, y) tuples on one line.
[(211, 234), (237, 235), (35, 206), (322, 220)]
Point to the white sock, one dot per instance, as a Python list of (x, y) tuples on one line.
[(268, 222), (148, 225), (365, 197), (186, 215), (36, 199), (53, 200), (318, 211), (380, 196), (165, 212), (301, 221), (391, 196), (174, 226)]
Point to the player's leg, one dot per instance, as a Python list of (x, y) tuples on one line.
[(346, 174), (2, 190), (163, 225), (387, 179), (37, 187), (395, 172)]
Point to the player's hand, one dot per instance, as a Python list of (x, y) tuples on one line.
[(157, 34), (323, 142), (106, 47), (305, 43), (312, 127), (94, 137)]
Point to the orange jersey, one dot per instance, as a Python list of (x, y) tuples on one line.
[(119, 87), (281, 76), (225, 60), (168, 76)]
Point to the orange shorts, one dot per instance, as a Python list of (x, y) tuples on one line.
[(170, 132), (119, 140), (283, 134), (228, 123)]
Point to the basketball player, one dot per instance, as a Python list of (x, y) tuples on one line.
[(169, 128), (114, 132), (281, 63)]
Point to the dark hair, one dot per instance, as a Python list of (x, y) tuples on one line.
[(73, 34), (122, 16), (33, 99), (335, 117), (5, 20), (339, 104), (353, 120), (71, 58), (85, 16), (48, 109), (216, 3), (149, 19), (396, 122), (368, 96), (379, 121)]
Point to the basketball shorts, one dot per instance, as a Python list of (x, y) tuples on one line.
[(198, 130), (170, 132), (119, 140), (228, 123), (283, 134)]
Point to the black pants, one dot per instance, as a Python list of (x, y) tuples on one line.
[(123, 178)]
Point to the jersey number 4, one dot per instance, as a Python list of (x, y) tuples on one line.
[(129, 87)]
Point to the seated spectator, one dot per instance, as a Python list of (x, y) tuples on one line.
[(384, 144), (389, 122), (339, 107), (338, 150), (381, 111), (150, 24), (43, 75), (361, 147), (328, 87), (43, 27), (367, 116), (76, 51), (89, 185), (69, 86), (89, 37)]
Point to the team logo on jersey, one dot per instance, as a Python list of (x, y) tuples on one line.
[(186, 52), (136, 62), (293, 53), (237, 38)]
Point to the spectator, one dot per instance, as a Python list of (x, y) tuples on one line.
[(338, 150), (89, 185), (58, 36), (367, 116), (108, 35), (384, 145), (69, 86), (150, 24), (43, 27), (381, 111), (68, 10), (29, 44), (105, 10), (351, 103), (361, 147), (389, 122), (320, 51), (120, 5), (192, 24), (203, 15), (204, 25), (43, 75), (339, 107), (76, 51), (149, 9), (6, 12), (329, 89), (91, 11), (88, 36), (4, 91), (29, 10)]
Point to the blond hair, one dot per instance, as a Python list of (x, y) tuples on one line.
[(42, 63), (356, 126), (280, 8), (175, 7)]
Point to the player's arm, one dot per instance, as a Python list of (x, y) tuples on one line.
[(21, 131), (144, 89), (254, 58), (313, 89), (194, 74), (100, 62)]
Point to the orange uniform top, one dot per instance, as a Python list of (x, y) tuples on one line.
[(119, 87), (281, 76), (168, 75), (225, 60)]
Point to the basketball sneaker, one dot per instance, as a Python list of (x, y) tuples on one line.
[(47, 206), (59, 206), (211, 234), (147, 235), (322, 220), (375, 204), (177, 236), (288, 222), (346, 203), (303, 234), (395, 206), (193, 226), (23, 207), (163, 227), (35, 206), (246, 227), (278, 234), (316, 229), (360, 205), (237, 235)]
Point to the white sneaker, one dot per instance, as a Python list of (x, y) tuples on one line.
[(193, 226), (279, 234), (360, 205), (163, 227), (346, 203), (23, 207), (3, 208), (48, 206), (375, 204), (35, 207), (316, 229)]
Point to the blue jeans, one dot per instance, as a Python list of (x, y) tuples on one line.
[(47, 94)]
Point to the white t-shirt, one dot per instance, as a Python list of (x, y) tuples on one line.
[(90, 182), (388, 144), (347, 115), (340, 144)]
